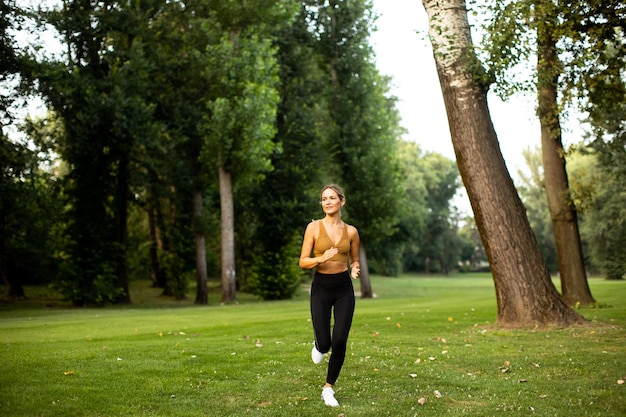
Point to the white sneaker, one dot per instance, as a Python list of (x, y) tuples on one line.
[(328, 395), (316, 355)]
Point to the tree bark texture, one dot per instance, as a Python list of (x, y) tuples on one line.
[(364, 277), (526, 296), (202, 289), (229, 282), (574, 285)]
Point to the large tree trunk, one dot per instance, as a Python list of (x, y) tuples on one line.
[(574, 285), (364, 277), (229, 282), (526, 296), (202, 289)]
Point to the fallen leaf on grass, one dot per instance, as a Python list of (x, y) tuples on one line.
[(438, 394), (398, 325), (418, 360), (620, 381), (68, 373), (421, 401), (413, 375)]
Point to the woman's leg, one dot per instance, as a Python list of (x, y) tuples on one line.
[(344, 311), (321, 310)]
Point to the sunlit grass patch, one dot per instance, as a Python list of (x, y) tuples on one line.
[(425, 346)]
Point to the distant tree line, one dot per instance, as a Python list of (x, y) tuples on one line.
[(188, 141)]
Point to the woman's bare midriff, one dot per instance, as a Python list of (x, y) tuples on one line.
[(332, 267)]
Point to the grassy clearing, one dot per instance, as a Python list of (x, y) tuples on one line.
[(419, 336)]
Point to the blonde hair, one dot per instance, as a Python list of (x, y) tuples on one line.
[(336, 189)]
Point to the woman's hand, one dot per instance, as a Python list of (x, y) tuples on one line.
[(356, 271), (329, 254)]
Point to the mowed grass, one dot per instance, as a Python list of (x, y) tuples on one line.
[(421, 338)]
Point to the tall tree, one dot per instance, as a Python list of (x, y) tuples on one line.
[(179, 90), (303, 126), (574, 284), (97, 92), (364, 121), (241, 110), (569, 42), (525, 294)]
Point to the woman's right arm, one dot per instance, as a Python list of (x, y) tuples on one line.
[(306, 261)]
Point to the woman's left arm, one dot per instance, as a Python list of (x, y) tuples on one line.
[(355, 242)]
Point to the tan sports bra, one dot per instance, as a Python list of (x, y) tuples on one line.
[(323, 243)]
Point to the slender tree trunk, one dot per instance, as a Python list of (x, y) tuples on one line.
[(366, 284), (156, 242), (574, 285), (525, 294), (229, 281), (202, 290), (121, 230)]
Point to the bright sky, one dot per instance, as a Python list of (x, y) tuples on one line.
[(404, 53)]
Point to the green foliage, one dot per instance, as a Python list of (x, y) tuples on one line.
[(364, 119), (29, 218), (242, 72), (274, 272), (275, 275), (149, 98), (601, 199), (99, 290), (533, 196)]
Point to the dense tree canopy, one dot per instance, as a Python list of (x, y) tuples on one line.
[(160, 110)]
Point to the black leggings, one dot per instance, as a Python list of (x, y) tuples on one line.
[(328, 291)]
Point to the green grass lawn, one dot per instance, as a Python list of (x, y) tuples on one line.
[(430, 338)]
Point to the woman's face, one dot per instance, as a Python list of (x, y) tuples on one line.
[(331, 203)]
